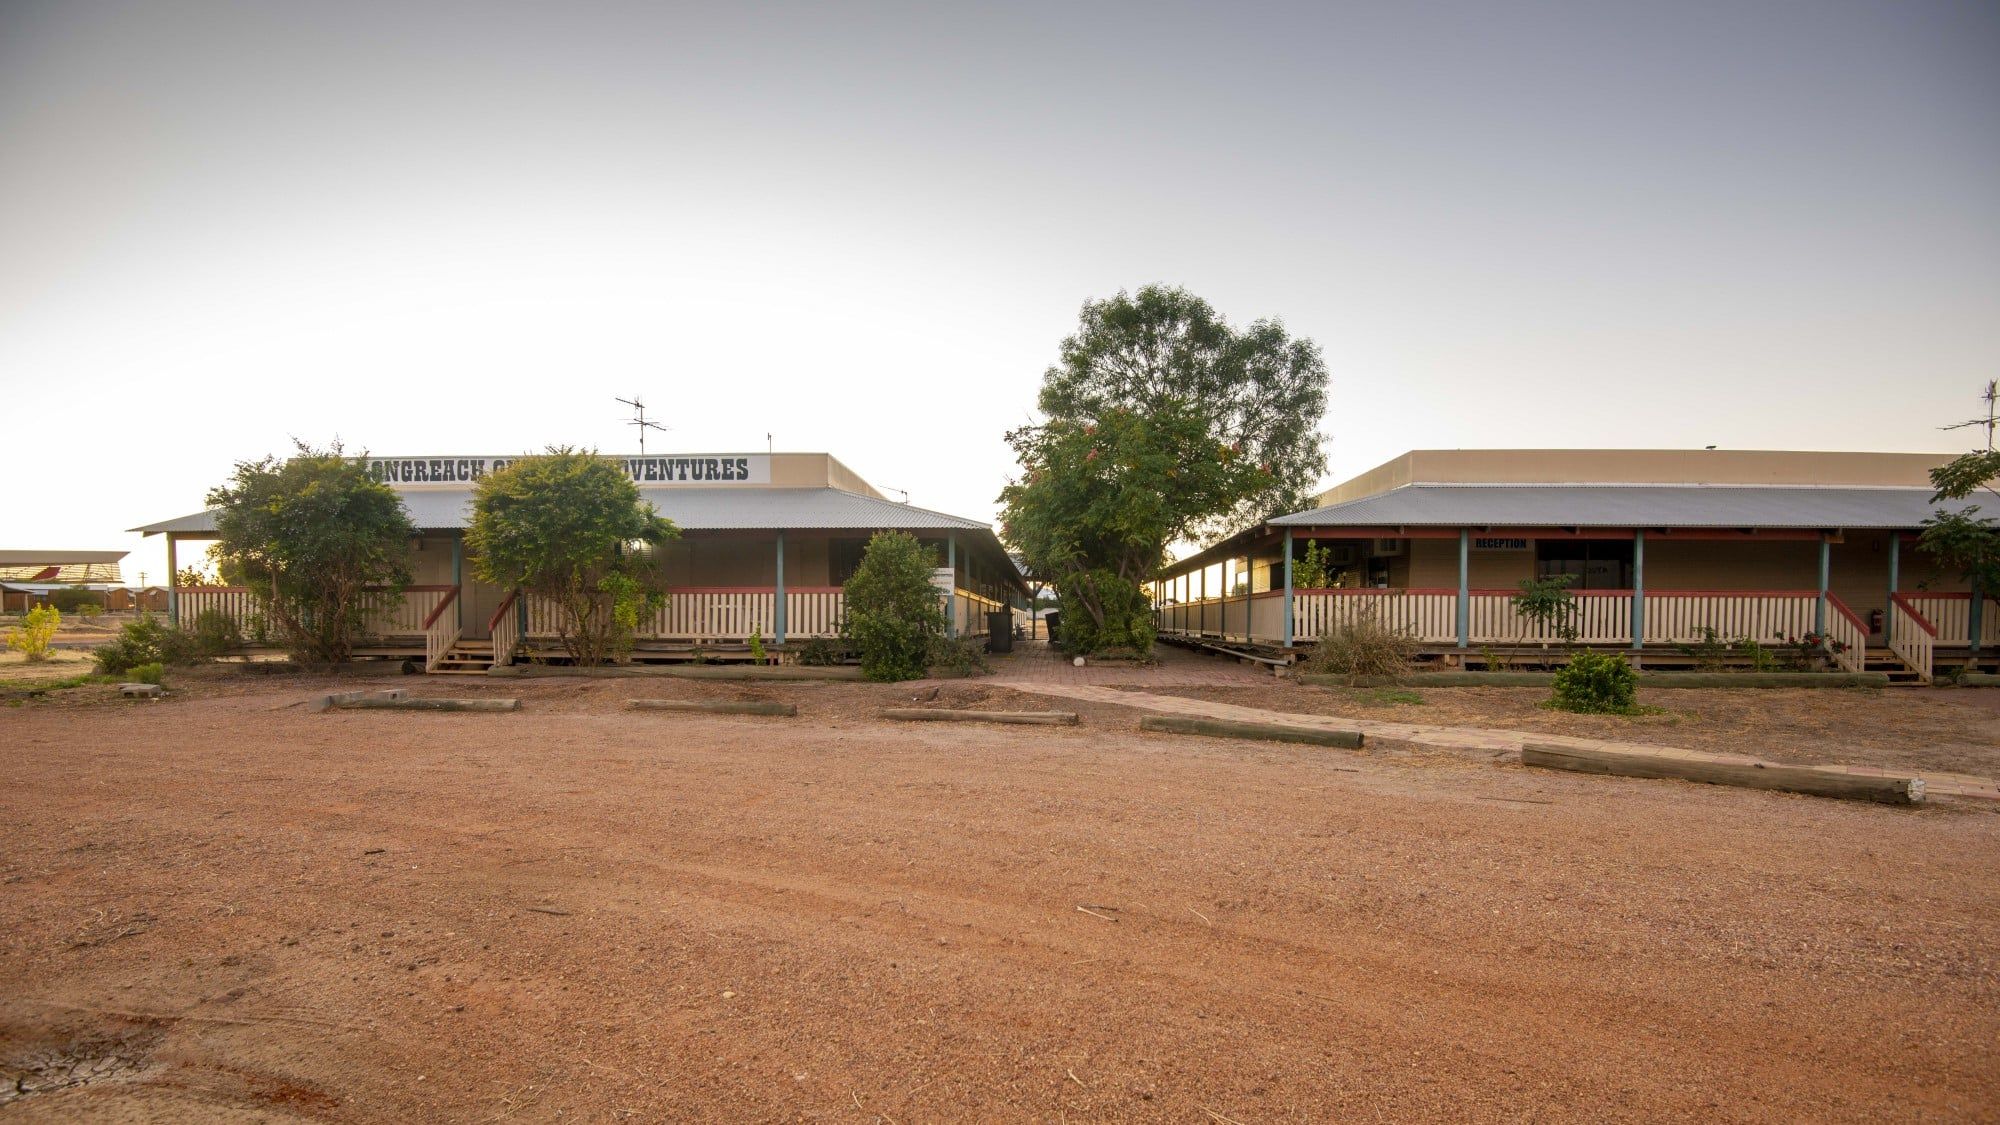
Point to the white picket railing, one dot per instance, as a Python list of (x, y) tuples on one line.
[(1847, 636), (233, 602), (814, 612), (1911, 637), (720, 613), (1951, 616), (1600, 617), (505, 629), (1764, 616), (441, 630), (1429, 616), (384, 613)]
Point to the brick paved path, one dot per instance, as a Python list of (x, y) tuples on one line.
[(1497, 743), (1035, 662)]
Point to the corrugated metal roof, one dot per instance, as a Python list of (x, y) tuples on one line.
[(695, 509), (1627, 505), (57, 557)]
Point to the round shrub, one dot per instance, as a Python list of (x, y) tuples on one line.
[(216, 634), (894, 614), (1596, 683)]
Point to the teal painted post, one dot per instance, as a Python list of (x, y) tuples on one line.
[(1975, 617), (173, 586), (1825, 571), (1638, 589), (458, 578), (1895, 564), (778, 613), (951, 604), (1464, 588), (1201, 618), (1288, 587), (1223, 608)]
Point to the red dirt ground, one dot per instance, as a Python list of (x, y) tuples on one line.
[(222, 907)]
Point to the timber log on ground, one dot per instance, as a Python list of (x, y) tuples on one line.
[(1270, 732), (1814, 780), (716, 706), (944, 715)]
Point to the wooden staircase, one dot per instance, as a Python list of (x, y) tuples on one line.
[(465, 657), (1879, 659)]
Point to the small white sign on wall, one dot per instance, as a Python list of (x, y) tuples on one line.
[(945, 580)]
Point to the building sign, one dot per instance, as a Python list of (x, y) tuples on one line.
[(945, 581), (754, 468), (1490, 544)]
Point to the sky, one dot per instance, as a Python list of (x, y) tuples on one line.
[(864, 229)]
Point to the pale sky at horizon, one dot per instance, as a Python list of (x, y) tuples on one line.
[(465, 228)]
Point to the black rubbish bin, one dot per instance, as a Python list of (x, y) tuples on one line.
[(1000, 631), (1053, 621)]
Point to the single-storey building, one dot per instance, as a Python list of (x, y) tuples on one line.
[(767, 541), (1661, 546), (29, 577)]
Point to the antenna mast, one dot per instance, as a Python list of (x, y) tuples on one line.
[(1991, 422), (638, 419)]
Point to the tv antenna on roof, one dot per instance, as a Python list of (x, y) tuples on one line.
[(1991, 422), (638, 419)]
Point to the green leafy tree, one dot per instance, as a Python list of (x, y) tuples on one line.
[(1255, 393), (895, 617), (1162, 423), (1312, 569), (307, 535), (570, 527), (1547, 604), (1962, 538)]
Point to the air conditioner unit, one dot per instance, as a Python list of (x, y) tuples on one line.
[(1385, 547)]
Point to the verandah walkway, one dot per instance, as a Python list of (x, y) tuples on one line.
[(1041, 674)]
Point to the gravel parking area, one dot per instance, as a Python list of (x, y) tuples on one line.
[(221, 907)]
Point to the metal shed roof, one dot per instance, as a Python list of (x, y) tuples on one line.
[(694, 509), (1628, 505), (58, 557)]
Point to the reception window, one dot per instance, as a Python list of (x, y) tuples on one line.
[(1598, 564)]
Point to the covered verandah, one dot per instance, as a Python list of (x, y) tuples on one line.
[(780, 582), (1649, 590)]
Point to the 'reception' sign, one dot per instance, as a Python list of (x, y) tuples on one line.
[(735, 468)]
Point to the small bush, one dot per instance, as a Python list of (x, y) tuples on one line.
[(215, 634), (145, 673), (35, 639), (1760, 658), (1596, 683), (1366, 647), (757, 652), (1708, 652), (72, 599), (820, 652), (1812, 652), (958, 656), (146, 641), (894, 614)]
